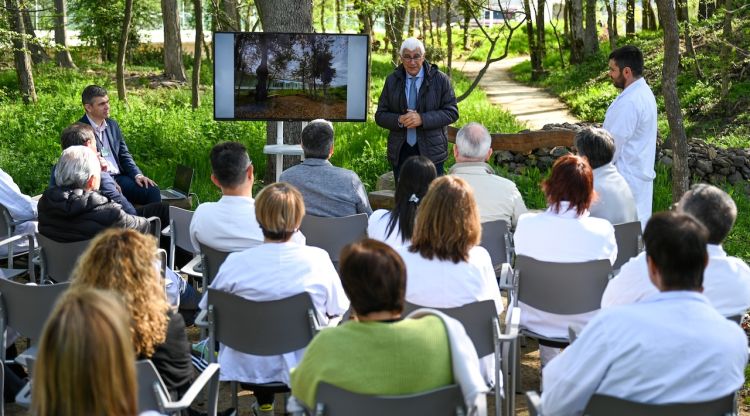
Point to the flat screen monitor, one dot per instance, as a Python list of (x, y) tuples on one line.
[(290, 76)]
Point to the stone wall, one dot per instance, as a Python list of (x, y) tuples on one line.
[(707, 163)]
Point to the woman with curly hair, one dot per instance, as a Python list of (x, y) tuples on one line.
[(124, 261)]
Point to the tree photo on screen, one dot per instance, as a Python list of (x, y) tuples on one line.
[(292, 76)]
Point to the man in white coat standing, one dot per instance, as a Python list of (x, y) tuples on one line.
[(631, 119)]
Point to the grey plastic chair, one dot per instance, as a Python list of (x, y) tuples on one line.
[(179, 236), (482, 325), (629, 242), (268, 328), (10, 272), (59, 259), (153, 394), (444, 401), (496, 239), (332, 234), (212, 259), (602, 405)]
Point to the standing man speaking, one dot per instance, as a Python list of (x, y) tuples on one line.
[(416, 105), (631, 119)]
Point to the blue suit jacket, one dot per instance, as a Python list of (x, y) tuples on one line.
[(117, 143), (108, 188)]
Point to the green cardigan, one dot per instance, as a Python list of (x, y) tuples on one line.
[(403, 357)]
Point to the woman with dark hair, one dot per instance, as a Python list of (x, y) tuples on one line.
[(564, 233), (395, 227), (402, 356)]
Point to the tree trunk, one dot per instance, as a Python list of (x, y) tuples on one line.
[(323, 16), (611, 24), (339, 19), (438, 23), (173, 67), (566, 19), (121, 48), (541, 41), (38, 54), (652, 24), (590, 40), (429, 17), (195, 101), (726, 49), (614, 19), (467, 21), (630, 18), (576, 31), (536, 65), (680, 170), (682, 11), (284, 16), (425, 19), (229, 16), (21, 56), (449, 38), (394, 29), (691, 52), (61, 20), (412, 20)]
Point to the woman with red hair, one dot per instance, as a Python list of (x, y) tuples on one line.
[(564, 233)]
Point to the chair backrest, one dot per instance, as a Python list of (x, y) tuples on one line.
[(601, 405), (179, 222), (332, 234), (334, 401), (261, 328), (561, 288), (148, 381), (59, 259), (477, 319), (496, 240), (629, 242), (27, 307), (6, 223), (212, 259)]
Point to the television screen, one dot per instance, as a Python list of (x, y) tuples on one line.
[(290, 76)]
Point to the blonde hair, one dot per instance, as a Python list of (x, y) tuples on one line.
[(85, 364), (447, 224), (279, 209), (124, 261)]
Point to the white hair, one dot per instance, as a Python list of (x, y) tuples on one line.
[(76, 165), (412, 44), (473, 141)]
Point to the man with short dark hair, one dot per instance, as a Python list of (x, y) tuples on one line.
[(328, 191), (110, 143), (726, 281), (672, 347), (229, 224), (614, 201), (497, 198), (631, 119)]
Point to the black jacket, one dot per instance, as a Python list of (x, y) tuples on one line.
[(172, 358), (67, 215), (436, 104)]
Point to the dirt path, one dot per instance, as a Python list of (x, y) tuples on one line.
[(533, 106)]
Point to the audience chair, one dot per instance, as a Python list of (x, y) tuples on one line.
[(559, 288), (444, 401), (211, 259), (179, 236), (287, 325), (59, 259), (602, 405), (333, 233), (153, 394), (629, 242), (10, 272), (7, 229), (496, 239), (482, 324)]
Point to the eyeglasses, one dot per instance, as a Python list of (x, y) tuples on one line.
[(415, 58)]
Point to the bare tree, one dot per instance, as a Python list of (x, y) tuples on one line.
[(122, 47), (173, 67), (61, 38), (21, 56), (196, 81), (395, 17), (557, 35), (576, 32), (38, 54), (590, 39), (670, 70)]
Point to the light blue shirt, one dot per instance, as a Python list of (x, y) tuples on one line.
[(419, 77)]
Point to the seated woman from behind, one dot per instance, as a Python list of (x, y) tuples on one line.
[(277, 269), (564, 233), (395, 227), (375, 353), (124, 261), (85, 364)]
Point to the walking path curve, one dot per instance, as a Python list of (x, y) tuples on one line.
[(533, 106)]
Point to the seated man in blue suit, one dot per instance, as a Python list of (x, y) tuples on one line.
[(110, 144)]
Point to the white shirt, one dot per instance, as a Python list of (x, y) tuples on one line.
[(672, 347), (631, 119), (562, 237), (270, 272), (21, 208), (726, 283), (614, 201), (497, 198), (377, 228), (229, 225), (113, 165)]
